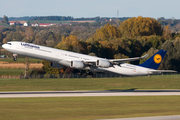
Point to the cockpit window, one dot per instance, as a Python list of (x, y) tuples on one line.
[(9, 43)]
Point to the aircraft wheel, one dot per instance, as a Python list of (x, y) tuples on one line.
[(14, 58)]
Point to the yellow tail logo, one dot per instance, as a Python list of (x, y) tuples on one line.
[(157, 58)]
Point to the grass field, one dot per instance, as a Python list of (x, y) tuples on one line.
[(11, 71), (161, 82), (20, 60), (87, 108), (14, 66), (10, 67)]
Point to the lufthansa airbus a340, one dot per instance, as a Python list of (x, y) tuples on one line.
[(60, 58)]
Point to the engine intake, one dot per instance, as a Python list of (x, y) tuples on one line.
[(77, 64), (103, 63)]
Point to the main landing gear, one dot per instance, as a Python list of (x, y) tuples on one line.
[(91, 74)]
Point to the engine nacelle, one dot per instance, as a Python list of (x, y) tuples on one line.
[(77, 64), (56, 65), (103, 63)]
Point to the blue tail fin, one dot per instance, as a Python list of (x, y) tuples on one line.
[(154, 61)]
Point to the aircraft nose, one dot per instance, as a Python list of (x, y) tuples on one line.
[(3, 45)]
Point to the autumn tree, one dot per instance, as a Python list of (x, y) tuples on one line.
[(48, 69), (107, 32), (29, 35), (72, 43), (120, 56), (167, 33), (8, 37), (140, 26), (29, 32)]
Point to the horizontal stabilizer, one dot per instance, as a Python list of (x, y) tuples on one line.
[(161, 71)]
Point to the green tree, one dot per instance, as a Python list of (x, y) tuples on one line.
[(154, 41), (16, 36), (119, 22), (41, 37), (150, 52), (5, 19), (1, 38), (97, 19), (168, 59)]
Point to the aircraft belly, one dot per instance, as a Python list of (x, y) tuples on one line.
[(133, 71), (123, 70), (115, 69)]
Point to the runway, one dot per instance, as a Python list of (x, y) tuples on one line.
[(99, 93), (173, 117), (89, 93)]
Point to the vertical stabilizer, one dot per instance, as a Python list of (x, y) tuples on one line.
[(154, 61)]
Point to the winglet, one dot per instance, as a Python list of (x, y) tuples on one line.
[(154, 61), (145, 56)]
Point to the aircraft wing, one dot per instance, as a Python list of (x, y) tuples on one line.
[(127, 59), (114, 61), (161, 71)]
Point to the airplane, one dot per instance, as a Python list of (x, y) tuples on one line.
[(59, 58)]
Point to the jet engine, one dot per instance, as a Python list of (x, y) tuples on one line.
[(77, 64), (56, 65), (103, 63)]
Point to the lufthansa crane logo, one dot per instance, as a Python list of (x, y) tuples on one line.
[(157, 58)]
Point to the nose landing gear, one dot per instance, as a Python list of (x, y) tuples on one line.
[(14, 57)]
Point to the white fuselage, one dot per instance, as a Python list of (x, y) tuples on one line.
[(63, 57)]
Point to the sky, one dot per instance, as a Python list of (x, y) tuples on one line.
[(91, 8)]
